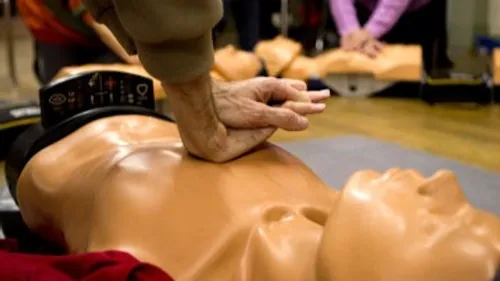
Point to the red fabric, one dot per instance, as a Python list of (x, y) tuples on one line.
[(111, 265), (47, 27)]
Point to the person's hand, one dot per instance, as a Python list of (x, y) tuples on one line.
[(267, 102), (372, 48), (251, 111), (361, 41), (238, 116), (355, 40)]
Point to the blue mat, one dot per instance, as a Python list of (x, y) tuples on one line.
[(335, 159)]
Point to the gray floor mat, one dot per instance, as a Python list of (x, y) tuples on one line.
[(335, 159)]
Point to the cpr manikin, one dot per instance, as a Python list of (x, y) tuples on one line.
[(126, 183), (236, 65), (395, 62)]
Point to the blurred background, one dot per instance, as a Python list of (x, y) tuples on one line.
[(468, 24), (467, 32)]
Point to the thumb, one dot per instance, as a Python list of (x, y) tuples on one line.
[(285, 119)]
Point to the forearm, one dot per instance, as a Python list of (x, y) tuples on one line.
[(110, 41), (195, 114), (344, 13), (385, 16), (172, 38)]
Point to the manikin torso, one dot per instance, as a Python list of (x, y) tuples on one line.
[(394, 63), (236, 65), (125, 183)]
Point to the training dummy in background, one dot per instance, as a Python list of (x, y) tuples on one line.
[(66, 35), (364, 25), (126, 183), (281, 57)]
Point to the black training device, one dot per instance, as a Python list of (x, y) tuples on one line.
[(71, 95), (68, 104)]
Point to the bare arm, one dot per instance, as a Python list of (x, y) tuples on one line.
[(110, 41)]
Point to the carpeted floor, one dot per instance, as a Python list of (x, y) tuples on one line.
[(335, 159)]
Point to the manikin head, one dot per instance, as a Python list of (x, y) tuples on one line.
[(402, 226)]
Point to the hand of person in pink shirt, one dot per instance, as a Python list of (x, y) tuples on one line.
[(362, 41)]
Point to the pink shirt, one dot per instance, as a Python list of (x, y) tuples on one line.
[(385, 14)]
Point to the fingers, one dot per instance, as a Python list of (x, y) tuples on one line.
[(285, 118), (281, 90), (314, 96), (304, 108), (296, 84), (379, 45), (372, 48), (317, 96)]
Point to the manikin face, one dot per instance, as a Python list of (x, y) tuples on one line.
[(402, 226)]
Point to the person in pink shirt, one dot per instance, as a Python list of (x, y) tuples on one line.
[(364, 24)]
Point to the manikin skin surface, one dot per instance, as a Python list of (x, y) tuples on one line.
[(236, 65), (496, 66), (127, 184), (394, 63), (277, 53), (402, 226), (216, 76), (303, 68)]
